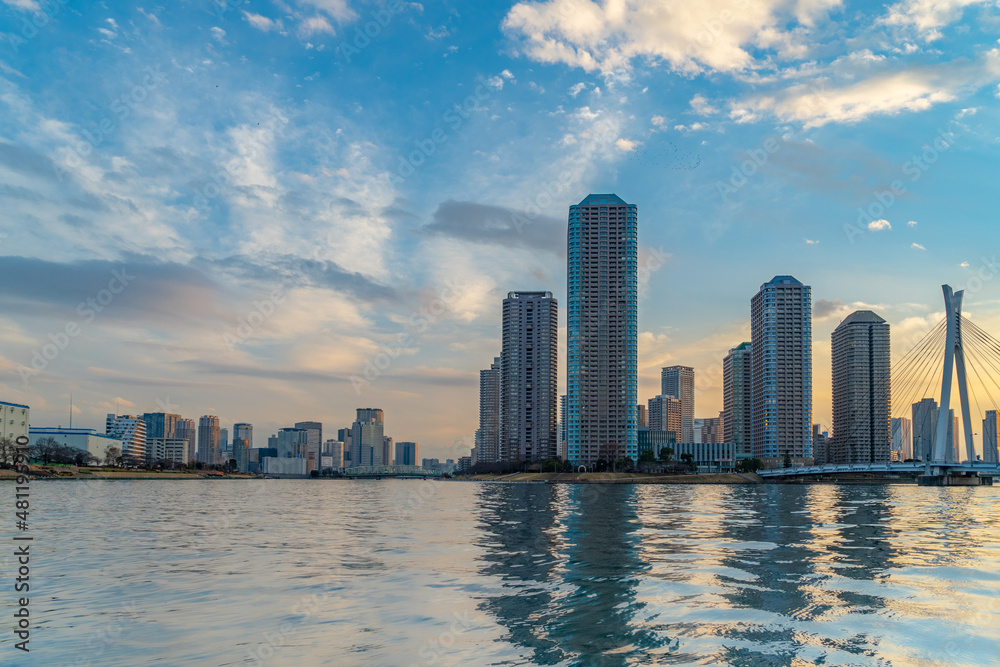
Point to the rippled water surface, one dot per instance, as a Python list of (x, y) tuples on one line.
[(400, 572)]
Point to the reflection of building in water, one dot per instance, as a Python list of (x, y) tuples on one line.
[(517, 522), (567, 556), (813, 534), (599, 622)]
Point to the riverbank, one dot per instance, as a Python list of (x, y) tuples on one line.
[(41, 472), (616, 478)]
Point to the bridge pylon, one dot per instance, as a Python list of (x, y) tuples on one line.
[(936, 468)]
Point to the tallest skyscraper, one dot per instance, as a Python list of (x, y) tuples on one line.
[(602, 344)]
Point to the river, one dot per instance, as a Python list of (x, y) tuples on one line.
[(411, 572)]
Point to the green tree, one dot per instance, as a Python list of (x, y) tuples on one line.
[(646, 456), (788, 459), (749, 465), (688, 458), (666, 453)]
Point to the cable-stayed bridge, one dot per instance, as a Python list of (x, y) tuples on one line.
[(942, 359), (893, 468)]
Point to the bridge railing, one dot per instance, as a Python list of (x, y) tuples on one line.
[(894, 467)]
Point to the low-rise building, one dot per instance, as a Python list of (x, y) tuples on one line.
[(283, 466), (15, 420), (131, 429), (654, 439), (85, 439), (705, 456), (174, 450)]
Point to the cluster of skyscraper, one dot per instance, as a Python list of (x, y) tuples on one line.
[(767, 381), (169, 439)]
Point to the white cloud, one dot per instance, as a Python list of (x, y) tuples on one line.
[(577, 88), (314, 25), (625, 145), (810, 241), (262, 22), (26, 5), (337, 9), (658, 121), (495, 82), (887, 93), (506, 74), (701, 106), (693, 127), (964, 265), (879, 225), (690, 36), (912, 223), (917, 246), (926, 17), (219, 35)]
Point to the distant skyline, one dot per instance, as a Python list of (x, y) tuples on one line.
[(256, 212)]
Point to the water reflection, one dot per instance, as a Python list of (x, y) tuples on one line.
[(739, 575), (408, 572), (567, 555)]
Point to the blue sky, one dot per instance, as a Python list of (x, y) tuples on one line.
[(367, 200)]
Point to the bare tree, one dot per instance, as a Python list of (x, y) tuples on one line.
[(7, 451), (113, 457), (45, 450)]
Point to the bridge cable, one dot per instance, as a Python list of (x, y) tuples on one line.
[(991, 344), (974, 358), (979, 358), (923, 376), (991, 347), (905, 375)]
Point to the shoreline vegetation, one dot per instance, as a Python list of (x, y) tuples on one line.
[(615, 478), (70, 472), (673, 478)]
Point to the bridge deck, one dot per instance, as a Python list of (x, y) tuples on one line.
[(984, 469)]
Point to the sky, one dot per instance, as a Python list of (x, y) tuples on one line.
[(282, 211)]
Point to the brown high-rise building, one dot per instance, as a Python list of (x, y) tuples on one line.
[(862, 428), (209, 451), (678, 381), (529, 377), (781, 371), (736, 392)]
